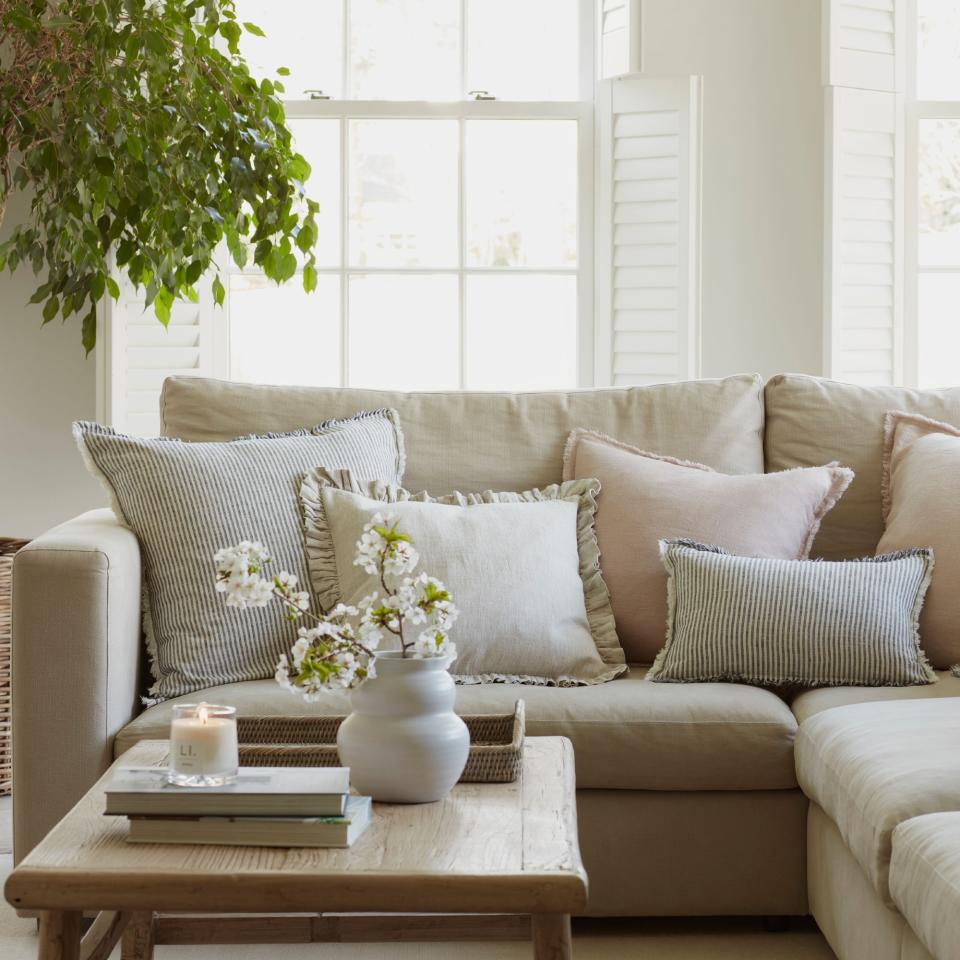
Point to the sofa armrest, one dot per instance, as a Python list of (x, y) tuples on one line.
[(76, 664)]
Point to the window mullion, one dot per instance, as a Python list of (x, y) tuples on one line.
[(347, 75), (344, 252), (462, 247), (463, 49)]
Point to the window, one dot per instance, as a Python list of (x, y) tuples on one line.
[(933, 195), (455, 244), (485, 222)]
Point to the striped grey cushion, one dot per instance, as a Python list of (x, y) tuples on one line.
[(186, 500), (808, 622)]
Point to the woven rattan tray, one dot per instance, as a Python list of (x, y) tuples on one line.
[(8, 548), (496, 744)]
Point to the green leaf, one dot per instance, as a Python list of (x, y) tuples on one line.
[(219, 292), (307, 237), (89, 334), (194, 269), (50, 309), (309, 278), (113, 288), (254, 29), (162, 304), (283, 71)]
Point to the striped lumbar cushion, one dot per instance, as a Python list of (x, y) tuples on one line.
[(186, 500), (809, 622)]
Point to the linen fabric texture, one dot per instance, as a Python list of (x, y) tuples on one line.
[(778, 622), (810, 420), (874, 766), (925, 878), (523, 568), (647, 497), (473, 441), (921, 507), (186, 500)]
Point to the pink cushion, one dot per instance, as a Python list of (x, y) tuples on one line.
[(921, 508), (645, 498)]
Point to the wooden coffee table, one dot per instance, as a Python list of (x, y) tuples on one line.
[(492, 861)]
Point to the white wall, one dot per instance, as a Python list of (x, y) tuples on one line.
[(762, 200), (45, 384)]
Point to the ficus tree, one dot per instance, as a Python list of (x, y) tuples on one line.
[(146, 147)]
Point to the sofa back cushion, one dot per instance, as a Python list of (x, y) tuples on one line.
[(474, 442), (811, 421)]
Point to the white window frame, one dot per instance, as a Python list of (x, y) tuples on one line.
[(916, 110), (582, 111)]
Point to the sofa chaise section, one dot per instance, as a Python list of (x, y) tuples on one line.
[(871, 766), (870, 770), (925, 880)]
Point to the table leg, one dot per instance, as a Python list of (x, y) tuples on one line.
[(552, 939), (60, 932), (138, 937)]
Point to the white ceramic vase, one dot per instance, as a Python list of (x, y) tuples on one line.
[(403, 743)]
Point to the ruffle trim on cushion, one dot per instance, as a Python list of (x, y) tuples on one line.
[(536, 681), (322, 561)]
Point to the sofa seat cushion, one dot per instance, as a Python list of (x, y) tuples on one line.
[(808, 703), (871, 766), (925, 880), (629, 734)]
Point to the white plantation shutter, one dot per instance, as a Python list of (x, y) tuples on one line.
[(140, 353), (648, 230), (865, 264), (864, 43), (619, 42), (863, 190)]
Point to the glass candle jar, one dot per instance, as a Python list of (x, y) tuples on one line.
[(203, 745)]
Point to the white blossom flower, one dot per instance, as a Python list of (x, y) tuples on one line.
[(335, 651), (370, 634), (434, 643), (282, 676), (400, 557)]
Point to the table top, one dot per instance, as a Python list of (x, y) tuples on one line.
[(486, 848)]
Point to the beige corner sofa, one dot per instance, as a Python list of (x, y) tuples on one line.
[(688, 794)]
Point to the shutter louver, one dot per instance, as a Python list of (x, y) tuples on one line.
[(618, 30), (865, 268), (143, 353), (648, 231), (864, 44), (863, 190)]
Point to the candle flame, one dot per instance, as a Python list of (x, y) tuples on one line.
[(202, 712)]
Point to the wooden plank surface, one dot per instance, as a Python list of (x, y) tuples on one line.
[(343, 928), (487, 848)]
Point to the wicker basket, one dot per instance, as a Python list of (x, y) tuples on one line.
[(7, 550), (496, 744)]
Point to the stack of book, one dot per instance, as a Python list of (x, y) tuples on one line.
[(264, 807)]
